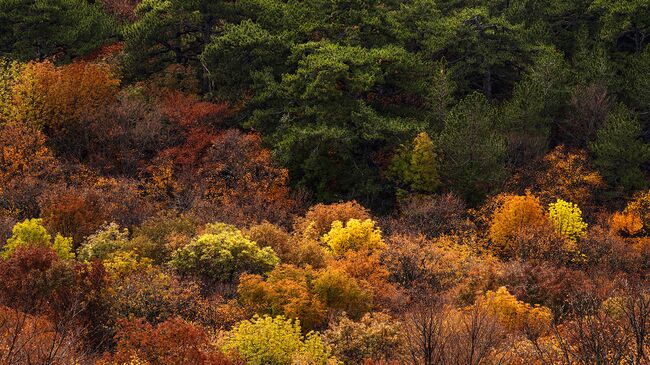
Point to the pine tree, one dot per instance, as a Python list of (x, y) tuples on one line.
[(620, 151)]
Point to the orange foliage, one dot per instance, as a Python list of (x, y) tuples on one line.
[(627, 223), (78, 211), (237, 175), (28, 339), (285, 292), (196, 120), (26, 166), (516, 213), (569, 175), (640, 206), (367, 269)]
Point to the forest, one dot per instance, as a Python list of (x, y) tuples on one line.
[(324, 182)]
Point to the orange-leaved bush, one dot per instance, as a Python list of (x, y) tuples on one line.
[(516, 213)]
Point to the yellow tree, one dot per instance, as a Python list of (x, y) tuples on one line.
[(417, 167), (356, 235), (566, 217)]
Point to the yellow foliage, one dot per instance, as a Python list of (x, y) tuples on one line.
[(566, 217), (9, 72), (123, 263), (516, 213), (319, 218), (515, 314), (355, 235)]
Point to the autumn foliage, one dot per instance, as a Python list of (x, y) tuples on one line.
[(277, 182)]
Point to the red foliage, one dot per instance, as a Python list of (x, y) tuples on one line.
[(173, 342), (77, 211), (197, 121), (37, 282), (26, 339)]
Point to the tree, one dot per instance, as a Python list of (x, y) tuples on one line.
[(356, 235), (620, 151), (170, 32), (417, 167), (172, 342), (57, 99), (287, 291), (156, 296), (240, 57), (376, 336), (34, 339), (515, 314), (66, 29), (566, 217), (276, 341), (640, 207), (516, 213), (319, 218), (340, 292), (485, 51), (27, 167), (220, 256), (472, 150), (31, 233), (538, 100), (104, 243), (568, 174), (340, 107), (625, 23)]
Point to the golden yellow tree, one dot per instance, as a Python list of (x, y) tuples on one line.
[(356, 235), (54, 97), (516, 213)]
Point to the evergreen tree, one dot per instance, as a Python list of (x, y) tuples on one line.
[(39, 29), (472, 149), (620, 152)]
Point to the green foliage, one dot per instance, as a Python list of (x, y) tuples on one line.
[(620, 151), (276, 341), (472, 149), (417, 167), (31, 233), (637, 81), (486, 52), (222, 255), (104, 243), (338, 108), (240, 55), (169, 31), (624, 21), (38, 29), (539, 98)]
